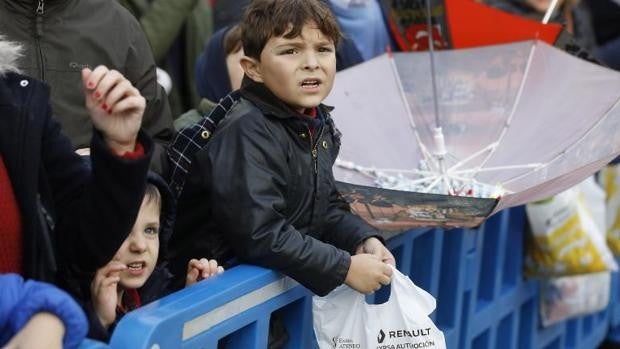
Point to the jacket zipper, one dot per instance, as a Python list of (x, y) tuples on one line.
[(313, 149), (315, 159), (39, 33)]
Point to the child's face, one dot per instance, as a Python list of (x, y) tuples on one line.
[(140, 249), (300, 71)]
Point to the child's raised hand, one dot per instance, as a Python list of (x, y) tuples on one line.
[(367, 273), (104, 293), (375, 247), (116, 107), (201, 269)]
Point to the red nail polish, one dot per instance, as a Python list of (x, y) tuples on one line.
[(104, 106), (97, 94)]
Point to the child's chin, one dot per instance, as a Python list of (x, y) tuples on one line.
[(132, 283)]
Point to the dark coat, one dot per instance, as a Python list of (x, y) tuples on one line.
[(69, 35), (90, 212), (261, 191)]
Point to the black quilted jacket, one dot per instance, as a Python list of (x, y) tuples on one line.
[(262, 190)]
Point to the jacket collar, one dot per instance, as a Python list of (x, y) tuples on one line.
[(265, 100), (269, 104)]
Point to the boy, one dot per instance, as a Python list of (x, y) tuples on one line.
[(138, 273), (218, 72), (263, 188)]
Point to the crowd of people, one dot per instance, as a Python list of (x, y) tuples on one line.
[(92, 94)]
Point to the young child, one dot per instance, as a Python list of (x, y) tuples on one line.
[(217, 68), (138, 272), (263, 189), (218, 72)]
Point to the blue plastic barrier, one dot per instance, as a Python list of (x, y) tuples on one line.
[(475, 274), (91, 344), (234, 307), (614, 309)]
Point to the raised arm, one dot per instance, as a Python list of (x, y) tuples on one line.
[(96, 209)]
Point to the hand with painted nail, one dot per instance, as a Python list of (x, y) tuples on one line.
[(116, 107), (201, 269), (104, 292)]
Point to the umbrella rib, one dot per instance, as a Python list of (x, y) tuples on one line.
[(372, 172), (549, 12), (414, 171), (499, 168), (425, 152), (514, 105), (466, 179), (570, 147), (433, 184), (473, 156), (448, 186)]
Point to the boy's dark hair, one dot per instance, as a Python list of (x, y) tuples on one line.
[(151, 194), (264, 19)]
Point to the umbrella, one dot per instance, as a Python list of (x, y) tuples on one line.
[(493, 127)]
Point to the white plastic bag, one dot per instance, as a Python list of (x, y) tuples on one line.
[(568, 234), (570, 296), (343, 319), (610, 180)]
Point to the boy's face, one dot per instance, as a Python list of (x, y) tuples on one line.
[(140, 249), (300, 71)]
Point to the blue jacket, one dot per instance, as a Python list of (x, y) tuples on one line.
[(20, 300)]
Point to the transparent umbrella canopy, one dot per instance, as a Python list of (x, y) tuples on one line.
[(517, 122)]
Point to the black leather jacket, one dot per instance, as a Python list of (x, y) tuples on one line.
[(263, 190)]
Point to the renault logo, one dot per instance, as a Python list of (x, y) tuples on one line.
[(381, 336)]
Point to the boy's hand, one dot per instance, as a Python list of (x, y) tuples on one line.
[(367, 273), (43, 330), (375, 247), (116, 107), (104, 292), (201, 269)]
